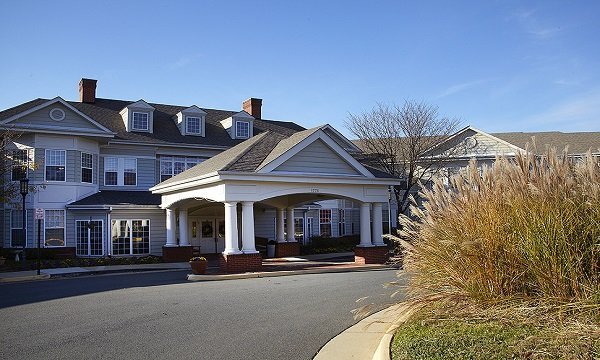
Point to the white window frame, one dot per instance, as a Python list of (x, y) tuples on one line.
[(120, 170), (133, 127), (11, 226), (130, 224), (46, 164), (64, 227), (88, 237), (187, 125), (20, 164), (330, 222), (238, 129), (189, 162), (85, 167)]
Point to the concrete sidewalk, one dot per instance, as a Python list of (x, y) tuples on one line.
[(369, 339), (308, 264)]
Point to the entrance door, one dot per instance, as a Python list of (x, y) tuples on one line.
[(208, 233), (89, 237), (309, 230)]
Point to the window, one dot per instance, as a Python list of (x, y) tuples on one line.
[(193, 125), (242, 129), (325, 222), (89, 237), (120, 171), (342, 222), (86, 168), (130, 172), (111, 170), (171, 166), (20, 163), (17, 236), (55, 165), (54, 228), (140, 121), (299, 229), (130, 237)]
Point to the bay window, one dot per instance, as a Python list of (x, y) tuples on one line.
[(56, 165), (54, 228), (130, 237), (120, 171)]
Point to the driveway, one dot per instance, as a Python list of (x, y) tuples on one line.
[(157, 315)]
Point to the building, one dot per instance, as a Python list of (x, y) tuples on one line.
[(132, 178)]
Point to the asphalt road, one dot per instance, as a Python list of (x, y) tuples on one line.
[(160, 315)]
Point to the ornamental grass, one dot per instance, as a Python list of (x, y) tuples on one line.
[(524, 228)]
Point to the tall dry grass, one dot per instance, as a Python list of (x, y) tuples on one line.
[(525, 227)]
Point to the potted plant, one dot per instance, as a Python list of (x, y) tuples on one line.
[(198, 265), (271, 248)]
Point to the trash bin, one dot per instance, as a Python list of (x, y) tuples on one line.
[(271, 248)]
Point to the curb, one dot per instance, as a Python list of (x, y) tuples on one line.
[(370, 338), (24, 278), (256, 275)]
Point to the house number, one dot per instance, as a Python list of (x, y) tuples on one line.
[(314, 190)]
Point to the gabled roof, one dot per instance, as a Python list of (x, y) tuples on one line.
[(106, 112), (14, 115), (254, 154), (577, 142)]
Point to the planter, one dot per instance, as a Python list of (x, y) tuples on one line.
[(198, 267)]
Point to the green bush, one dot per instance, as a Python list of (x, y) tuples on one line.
[(528, 227)]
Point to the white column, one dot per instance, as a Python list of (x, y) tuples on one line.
[(231, 229), (248, 246), (365, 225), (279, 225), (377, 224), (290, 225), (183, 228), (171, 238)]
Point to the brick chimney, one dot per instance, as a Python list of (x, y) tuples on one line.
[(252, 106), (87, 90)]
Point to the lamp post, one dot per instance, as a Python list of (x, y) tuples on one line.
[(24, 189)]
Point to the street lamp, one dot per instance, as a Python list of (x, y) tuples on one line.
[(24, 191)]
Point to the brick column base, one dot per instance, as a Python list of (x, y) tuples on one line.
[(240, 263), (371, 255), (176, 253), (285, 249)]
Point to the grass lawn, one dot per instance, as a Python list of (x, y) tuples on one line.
[(462, 339)]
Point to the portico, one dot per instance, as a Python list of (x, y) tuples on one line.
[(267, 180)]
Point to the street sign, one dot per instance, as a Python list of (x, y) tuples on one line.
[(39, 214)]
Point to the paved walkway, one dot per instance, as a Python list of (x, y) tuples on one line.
[(275, 267)]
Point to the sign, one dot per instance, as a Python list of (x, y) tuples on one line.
[(39, 214)]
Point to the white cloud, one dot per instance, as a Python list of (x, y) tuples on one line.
[(183, 61), (451, 90), (580, 114), (532, 25)]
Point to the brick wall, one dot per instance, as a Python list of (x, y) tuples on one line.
[(176, 253), (240, 263), (371, 255), (287, 249)]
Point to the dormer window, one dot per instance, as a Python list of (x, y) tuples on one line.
[(242, 129), (190, 121), (140, 121), (138, 116), (193, 125)]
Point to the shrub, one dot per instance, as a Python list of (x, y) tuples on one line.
[(528, 227)]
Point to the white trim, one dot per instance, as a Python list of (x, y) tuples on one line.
[(130, 222), (61, 115), (57, 99), (319, 134), (11, 226), (187, 145), (64, 228), (469, 127), (200, 127), (237, 133), (43, 129), (342, 137), (120, 170), (46, 165), (88, 237), (133, 128), (82, 167)]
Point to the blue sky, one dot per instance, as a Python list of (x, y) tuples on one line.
[(496, 65)]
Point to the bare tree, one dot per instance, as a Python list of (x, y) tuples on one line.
[(396, 139), (14, 164)]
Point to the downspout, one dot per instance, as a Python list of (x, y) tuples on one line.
[(108, 232)]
